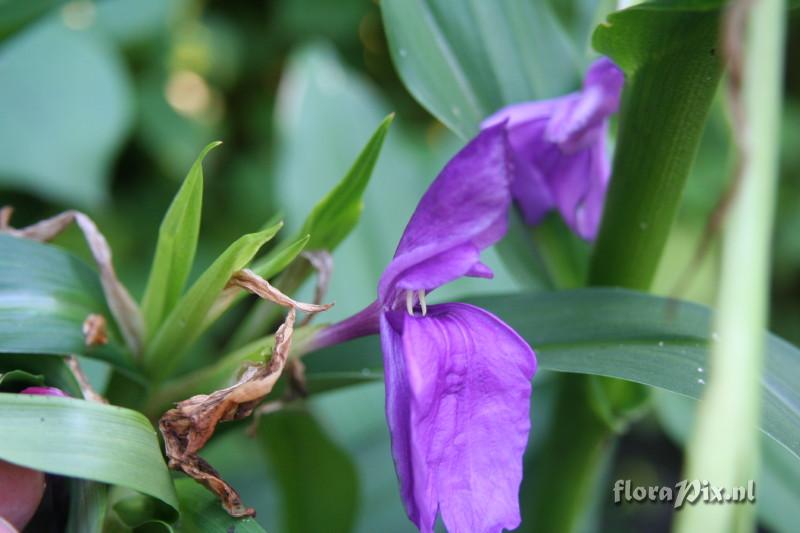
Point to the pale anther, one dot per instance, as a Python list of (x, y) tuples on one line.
[(410, 302), (422, 302)]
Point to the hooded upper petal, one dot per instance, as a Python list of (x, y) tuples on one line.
[(463, 211), (457, 402), (561, 148)]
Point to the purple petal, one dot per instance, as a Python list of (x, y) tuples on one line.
[(577, 123), (44, 391), (463, 212), (457, 402), (560, 150)]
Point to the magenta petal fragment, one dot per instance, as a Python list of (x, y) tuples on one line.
[(465, 208), (458, 400), (44, 391)]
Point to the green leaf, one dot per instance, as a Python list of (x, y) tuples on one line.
[(62, 149), (669, 87), (14, 16), (88, 505), (318, 479), (778, 494), (16, 380), (280, 258), (615, 333), (463, 62), (267, 267), (52, 369), (46, 294), (84, 440), (202, 512), (184, 324), (338, 212), (177, 243), (330, 221)]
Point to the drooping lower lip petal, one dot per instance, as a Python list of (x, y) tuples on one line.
[(457, 403)]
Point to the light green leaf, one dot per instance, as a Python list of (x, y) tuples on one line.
[(176, 247), (278, 259), (464, 62), (609, 332), (318, 480), (15, 16), (202, 512), (338, 212), (184, 324), (52, 368), (177, 243), (267, 267), (45, 295), (84, 440), (62, 149), (330, 221)]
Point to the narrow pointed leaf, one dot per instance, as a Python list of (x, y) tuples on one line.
[(184, 324), (273, 263), (338, 212), (331, 220), (175, 250)]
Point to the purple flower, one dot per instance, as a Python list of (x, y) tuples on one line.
[(560, 150), (457, 378)]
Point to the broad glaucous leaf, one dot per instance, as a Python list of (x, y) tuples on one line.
[(46, 294), (176, 246), (464, 62), (86, 440), (62, 149), (615, 333)]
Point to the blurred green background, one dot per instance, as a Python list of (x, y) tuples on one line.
[(106, 105)]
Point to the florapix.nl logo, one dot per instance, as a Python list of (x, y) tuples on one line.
[(683, 492)]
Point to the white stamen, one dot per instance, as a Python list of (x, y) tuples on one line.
[(422, 301), (410, 302)]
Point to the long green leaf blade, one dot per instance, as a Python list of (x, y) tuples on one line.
[(184, 324), (607, 332), (46, 294), (331, 220), (85, 440), (338, 212), (175, 250), (463, 64)]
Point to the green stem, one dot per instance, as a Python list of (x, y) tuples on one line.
[(724, 448), (664, 111), (570, 461), (672, 74)]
